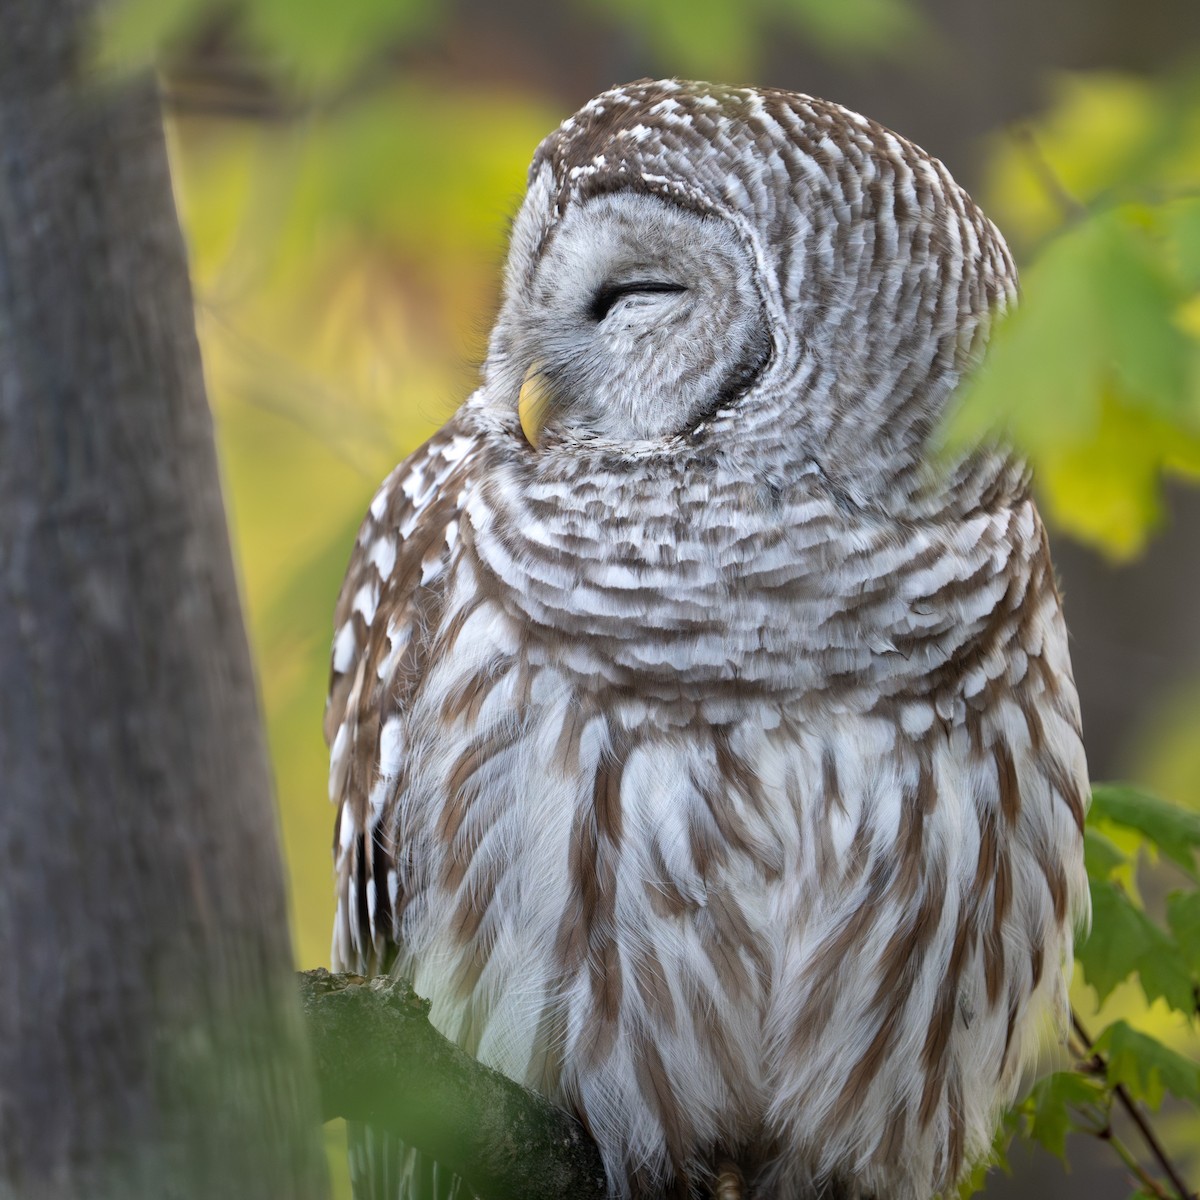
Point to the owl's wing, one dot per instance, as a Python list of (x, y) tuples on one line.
[(392, 595)]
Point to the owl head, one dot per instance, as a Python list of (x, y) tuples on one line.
[(749, 272)]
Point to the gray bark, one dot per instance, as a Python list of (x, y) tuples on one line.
[(150, 1037)]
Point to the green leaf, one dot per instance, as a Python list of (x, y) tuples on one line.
[(1150, 354), (318, 44), (1183, 221), (1092, 377), (1164, 973), (132, 33), (1049, 1108), (1183, 917), (1045, 365), (1114, 947), (716, 40), (975, 1180), (884, 27), (1100, 856), (309, 43), (1124, 941), (701, 38), (997, 1157), (1089, 141), (1173, 829), (1146, 1067), (1105, 486)]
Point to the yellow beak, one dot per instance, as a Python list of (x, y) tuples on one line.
[(533, 404)]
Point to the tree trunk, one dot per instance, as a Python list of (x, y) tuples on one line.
[(150, 1042)]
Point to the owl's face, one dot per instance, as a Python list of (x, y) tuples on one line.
[(746, 278), (640, 321)]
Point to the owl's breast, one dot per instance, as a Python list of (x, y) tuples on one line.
[(692, 933), (686, 596), (589, 902)]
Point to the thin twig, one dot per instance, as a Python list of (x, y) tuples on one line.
[(1072, 209), (1135, 1168), (211, 86), (1093, 1064), (1136, 1114)]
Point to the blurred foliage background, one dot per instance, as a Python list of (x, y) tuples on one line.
[(345, 173)]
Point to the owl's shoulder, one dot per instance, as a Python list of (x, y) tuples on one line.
[(393, 589), (402, 545)]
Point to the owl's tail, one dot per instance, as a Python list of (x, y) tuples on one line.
[(382, 1167)]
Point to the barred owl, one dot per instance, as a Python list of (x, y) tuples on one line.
[(705, 753)]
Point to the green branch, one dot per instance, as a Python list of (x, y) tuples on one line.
[(1095, 1064), (379, 1061)]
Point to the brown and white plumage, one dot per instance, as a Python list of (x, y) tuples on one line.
[(714, 766)]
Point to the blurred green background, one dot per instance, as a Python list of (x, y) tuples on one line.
[(345, 174)]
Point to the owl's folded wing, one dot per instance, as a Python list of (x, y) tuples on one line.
[(391, 597)]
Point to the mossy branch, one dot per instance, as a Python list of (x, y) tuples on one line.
[(379, 1061)]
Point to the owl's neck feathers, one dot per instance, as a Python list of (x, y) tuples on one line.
[(688, 585)]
